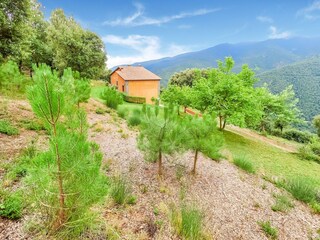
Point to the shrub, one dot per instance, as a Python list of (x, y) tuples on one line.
[(269, 230), (187, 221), (119, 190), (7, 128), (12, 82), (112, 97), (244, 163), (123, 112), (282, 204), (311, 151), (296, 135), (132, 99), (11, 205)]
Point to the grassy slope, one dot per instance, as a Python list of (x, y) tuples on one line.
[(270, 160)]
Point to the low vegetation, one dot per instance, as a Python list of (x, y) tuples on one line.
[(111, 97), (282, 204), (7, 128), (269, 231), (11, 205), (187, 220), (120, 191), (245, 164)]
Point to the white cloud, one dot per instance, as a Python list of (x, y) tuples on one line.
[(139, 19), (275, 33), (145, 47), (311, 12), (265, 19)]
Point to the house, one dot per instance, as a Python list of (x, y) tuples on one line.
[(136, 81)]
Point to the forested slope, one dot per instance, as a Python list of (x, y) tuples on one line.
[(305, 78)]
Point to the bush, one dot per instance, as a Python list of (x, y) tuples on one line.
[(311, 151), (11, 205), (112, 97), (7, 128), (296, 135), (187, 222), (132, 99), (244, 164), (123, 112), (269, 230), (12, 82)]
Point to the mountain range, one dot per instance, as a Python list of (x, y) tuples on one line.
[(261, 56), (277, 62)]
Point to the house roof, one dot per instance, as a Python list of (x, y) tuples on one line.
[(135, 73)]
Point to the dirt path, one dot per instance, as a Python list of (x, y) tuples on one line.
[(255, 136), (231, 200)]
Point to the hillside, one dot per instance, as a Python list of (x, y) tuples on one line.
[(261, 56), (305, 78), (233, 202)]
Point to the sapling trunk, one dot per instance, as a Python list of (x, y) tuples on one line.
[(195, 162), (160, 163), (220, 121)]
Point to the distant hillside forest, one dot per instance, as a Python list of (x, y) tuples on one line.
[(304, 76)]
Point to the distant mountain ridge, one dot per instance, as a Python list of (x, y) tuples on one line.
[(261, 56)]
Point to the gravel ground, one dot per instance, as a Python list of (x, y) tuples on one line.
[(231, 200)]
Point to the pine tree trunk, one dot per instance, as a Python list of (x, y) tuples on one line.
[(160, 163), (61, 214), (195, 162)]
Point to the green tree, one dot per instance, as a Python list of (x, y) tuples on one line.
[(75, 47), (316, 124), (187, 77), (229, 95), (178, 96), (278, 110), (158, 135), (202, 135), (65, 179)]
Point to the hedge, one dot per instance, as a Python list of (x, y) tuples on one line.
[(132, 99)]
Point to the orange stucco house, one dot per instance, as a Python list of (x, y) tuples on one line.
[(136, 81)]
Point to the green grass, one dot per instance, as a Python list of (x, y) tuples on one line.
[(270, 160), (7, 128), (282, 204), (120, 191), (269, 231), (187, 222), (245, 164)]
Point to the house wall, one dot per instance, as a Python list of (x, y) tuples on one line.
[(114, 78), (144, 88)]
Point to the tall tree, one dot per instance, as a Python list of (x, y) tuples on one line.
[(225, 93), (75, 47), (187, 77), (178, 96)]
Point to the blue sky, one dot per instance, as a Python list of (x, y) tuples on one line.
[(144, 30)]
